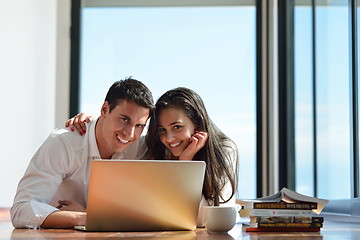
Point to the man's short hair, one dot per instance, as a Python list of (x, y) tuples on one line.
[(131, 90)]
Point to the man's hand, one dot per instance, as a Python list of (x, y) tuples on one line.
[(67, 205), (197, 141), (64, 219), (71, 214), (78, 122)]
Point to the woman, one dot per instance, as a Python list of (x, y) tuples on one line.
[(180, 128)]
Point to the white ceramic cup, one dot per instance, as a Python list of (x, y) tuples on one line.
[(219, 218)]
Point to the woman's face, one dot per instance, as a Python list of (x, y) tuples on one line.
[(175, 129)]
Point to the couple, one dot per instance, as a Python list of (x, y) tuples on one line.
[(53, 191)]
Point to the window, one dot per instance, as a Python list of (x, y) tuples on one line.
[(332, 75), (322, 100), (210, 49), (303, 99)]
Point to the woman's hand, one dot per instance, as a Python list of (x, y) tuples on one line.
[(78, 122), (197, 141)]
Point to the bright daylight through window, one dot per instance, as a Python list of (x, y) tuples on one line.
[(210, 49)]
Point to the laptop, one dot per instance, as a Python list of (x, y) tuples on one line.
[(143, 195)]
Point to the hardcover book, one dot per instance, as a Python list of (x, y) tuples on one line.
[(286, 196), (281, 205), (297, 225), (247, 228), (285, 211), (292, 219), (274, 212)]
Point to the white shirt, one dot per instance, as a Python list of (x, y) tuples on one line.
[(59, 170)]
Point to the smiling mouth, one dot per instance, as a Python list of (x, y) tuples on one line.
[(122, 140), (174, 144)]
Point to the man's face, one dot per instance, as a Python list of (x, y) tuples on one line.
[(122, 126)]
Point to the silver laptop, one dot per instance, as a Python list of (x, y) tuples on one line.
[(144, 195)]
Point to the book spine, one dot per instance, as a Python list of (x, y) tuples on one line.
[(276, 219), (273, 212), (296, 225), (281, 229), (272, 205)]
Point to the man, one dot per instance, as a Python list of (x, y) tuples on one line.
[(53, 190)]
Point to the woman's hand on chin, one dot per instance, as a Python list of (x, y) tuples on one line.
[(197, 141)]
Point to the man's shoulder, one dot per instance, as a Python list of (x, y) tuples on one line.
[(73, 139), (60, 131), (64, 133)]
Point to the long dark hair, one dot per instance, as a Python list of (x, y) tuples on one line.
[(218, 153)]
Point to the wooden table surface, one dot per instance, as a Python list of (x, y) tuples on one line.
[(332, 230)]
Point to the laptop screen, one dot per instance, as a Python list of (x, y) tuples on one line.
[(144, 195)]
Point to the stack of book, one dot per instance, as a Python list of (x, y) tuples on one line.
[(286, 211)]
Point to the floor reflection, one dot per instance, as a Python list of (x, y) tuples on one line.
[(71, 234)]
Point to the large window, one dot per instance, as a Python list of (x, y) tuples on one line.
[(322, 99), (332, 75), (304, 100), (210, 49), (213, 48)]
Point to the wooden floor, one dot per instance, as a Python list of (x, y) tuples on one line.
[(332, 230)]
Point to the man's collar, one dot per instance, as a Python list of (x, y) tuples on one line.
[(93, 147)]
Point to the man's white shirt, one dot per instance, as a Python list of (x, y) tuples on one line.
[(60, 171)]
